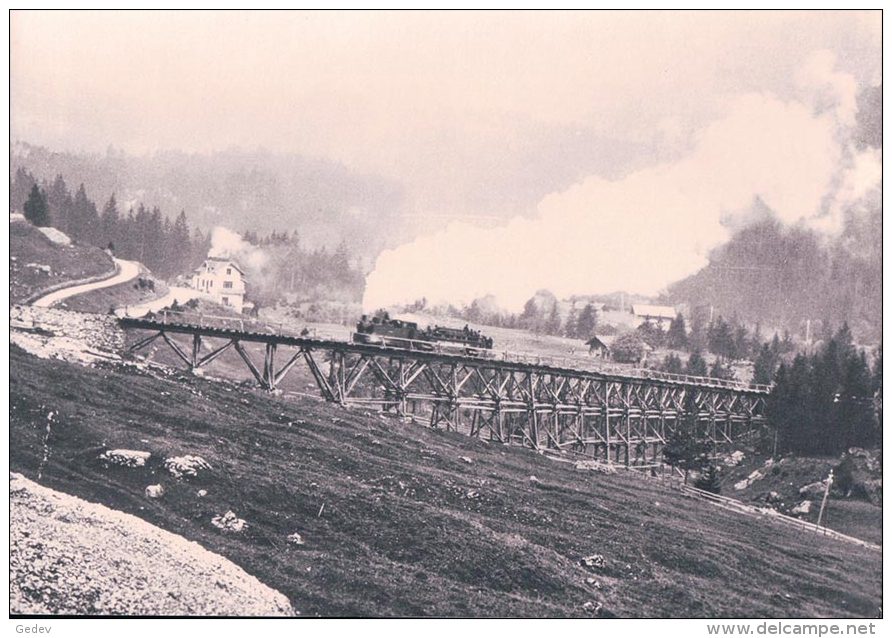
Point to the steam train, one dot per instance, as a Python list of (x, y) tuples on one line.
[(380, 329)]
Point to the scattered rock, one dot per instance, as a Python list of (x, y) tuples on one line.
[(596, 466), (202, 493), (734, 459), (595, 561), (813, 489), (466, 460), (472, 494), (229, 522), (189, 465), (593, 607), (754, 476), (773, 497), (593, 582), (534, 479), (803, 508), (295, 539), (125, 458), (155, 491)]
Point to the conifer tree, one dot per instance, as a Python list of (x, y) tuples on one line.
[(35, 208)]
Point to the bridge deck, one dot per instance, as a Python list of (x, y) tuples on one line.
[(513, 362)]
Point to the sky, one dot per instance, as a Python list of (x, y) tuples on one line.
[(552, 122)]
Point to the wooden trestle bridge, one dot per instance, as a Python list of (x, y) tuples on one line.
[(540, 404)]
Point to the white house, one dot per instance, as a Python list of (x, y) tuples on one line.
[(221, 279)]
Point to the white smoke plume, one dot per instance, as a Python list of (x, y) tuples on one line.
[(654, 226), (227, 243)]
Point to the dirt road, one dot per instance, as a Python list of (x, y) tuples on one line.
[(126, 270)]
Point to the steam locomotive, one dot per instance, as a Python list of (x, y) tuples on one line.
[(380, 329)]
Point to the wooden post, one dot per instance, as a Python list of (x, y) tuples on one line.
[(824, 500)]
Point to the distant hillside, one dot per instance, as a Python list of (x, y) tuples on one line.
[(244, 190), (781, 277)]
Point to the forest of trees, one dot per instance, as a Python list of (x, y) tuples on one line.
[(292, 270), (170, 248), (828, 401), (166, 247)]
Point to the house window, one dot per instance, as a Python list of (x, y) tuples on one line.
[(227, 284), (229, 271), (225, 301)]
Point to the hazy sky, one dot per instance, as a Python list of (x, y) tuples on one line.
[(477, 113)]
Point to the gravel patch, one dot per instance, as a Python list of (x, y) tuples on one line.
[(69, 556)]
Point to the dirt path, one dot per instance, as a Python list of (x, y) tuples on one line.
[(126, 270)]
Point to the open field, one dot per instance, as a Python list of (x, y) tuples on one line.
[(396, 522), (36, 263)]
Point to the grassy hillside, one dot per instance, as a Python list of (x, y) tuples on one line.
[(129, 293), (852, 516), (51, 264), (396, 522)]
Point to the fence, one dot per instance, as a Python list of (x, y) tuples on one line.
[(737, 506)]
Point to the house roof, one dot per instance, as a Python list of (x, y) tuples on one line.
[(605, 341), (215, 264), (646, 310)]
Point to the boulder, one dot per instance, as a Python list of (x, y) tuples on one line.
[(125, 458), (154, 491), (594, 561), (803, 508), (229, 522), (186, 466), (295, 539)]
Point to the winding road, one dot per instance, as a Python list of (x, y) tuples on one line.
[(126, 270)]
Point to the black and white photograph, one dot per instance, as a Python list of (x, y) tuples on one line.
[(433, 314)]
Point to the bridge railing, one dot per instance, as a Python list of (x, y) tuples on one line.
[(252, 324)]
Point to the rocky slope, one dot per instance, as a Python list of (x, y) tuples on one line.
[(68, 556)]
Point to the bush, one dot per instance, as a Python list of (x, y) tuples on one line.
[(710, 479), (629, 348)]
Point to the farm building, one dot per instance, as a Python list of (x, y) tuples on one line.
[(222, 280), (657, 315), (599, 346)]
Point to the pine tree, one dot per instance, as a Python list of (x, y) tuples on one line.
[(672, 364), (683, 451), (587, 322), (60, 203), (553, 323), (20, 189), (697, 339), (35, 208), (571, 326), (677, 336), (696, 365), (84, 223), (109, 222), (763, 367)]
